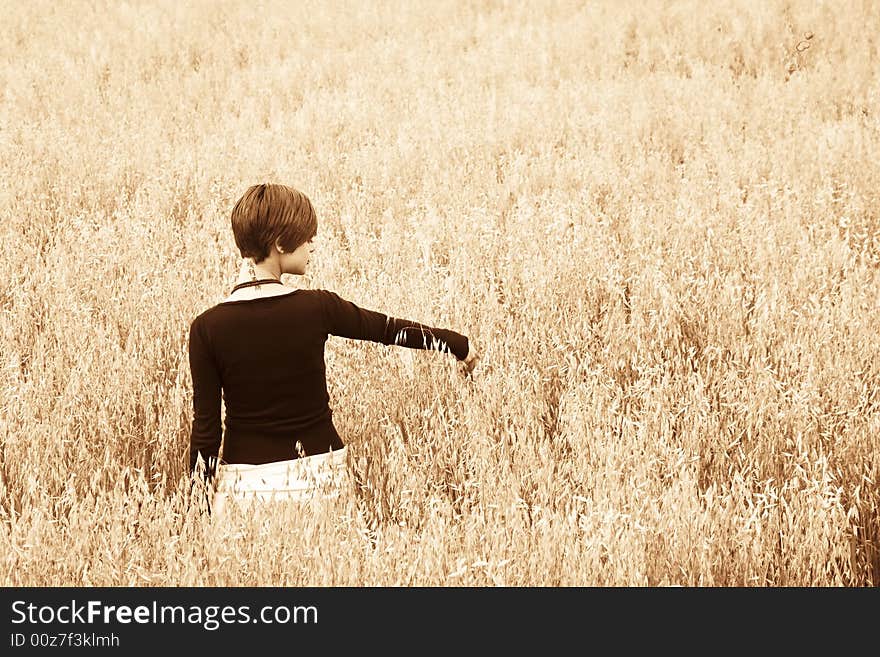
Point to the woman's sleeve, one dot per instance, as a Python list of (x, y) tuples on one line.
[(206, 431), (346, 320)]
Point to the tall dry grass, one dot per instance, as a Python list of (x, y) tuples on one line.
[(659, 221)]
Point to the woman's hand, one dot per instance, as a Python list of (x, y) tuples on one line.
[(470, 362)]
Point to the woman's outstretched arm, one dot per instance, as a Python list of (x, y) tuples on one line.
[(206, 431), (345, 319)]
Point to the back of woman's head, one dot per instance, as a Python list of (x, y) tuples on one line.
[(266, 213)]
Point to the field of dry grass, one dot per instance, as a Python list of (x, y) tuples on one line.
[(659, 221)]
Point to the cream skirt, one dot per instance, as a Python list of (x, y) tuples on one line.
[(294, 480)]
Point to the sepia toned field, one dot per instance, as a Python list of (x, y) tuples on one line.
[(658, 222)]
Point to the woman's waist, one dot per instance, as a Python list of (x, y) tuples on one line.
[(264, 445), (309, 464)]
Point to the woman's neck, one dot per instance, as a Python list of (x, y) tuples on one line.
[(250, 272), (257, 272)]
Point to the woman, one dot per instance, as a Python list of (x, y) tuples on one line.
[(263, 350)]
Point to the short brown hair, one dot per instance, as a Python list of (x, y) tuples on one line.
[(266, 213)]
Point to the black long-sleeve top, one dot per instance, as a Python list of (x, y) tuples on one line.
[(266, 355)]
